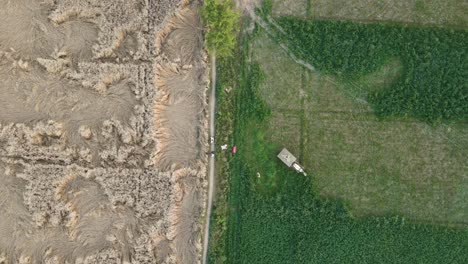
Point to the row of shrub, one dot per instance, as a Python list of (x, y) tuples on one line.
[(433, 86)]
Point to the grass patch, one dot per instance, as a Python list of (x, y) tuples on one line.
[(376, 82), (289, 8), (450, 13), (260, 158)]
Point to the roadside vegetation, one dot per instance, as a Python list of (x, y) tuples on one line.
[(224, 129), (222, 25)]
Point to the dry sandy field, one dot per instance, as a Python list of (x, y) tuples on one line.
[(102, 131)]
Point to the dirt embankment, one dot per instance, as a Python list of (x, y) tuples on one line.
[(181, 133), (87, 174)]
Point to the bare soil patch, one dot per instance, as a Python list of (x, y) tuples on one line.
[(102, 131)]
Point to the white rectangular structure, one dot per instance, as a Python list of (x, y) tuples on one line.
[(286, 157)]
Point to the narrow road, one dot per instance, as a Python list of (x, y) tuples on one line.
[(211, 173)]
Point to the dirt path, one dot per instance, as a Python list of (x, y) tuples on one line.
[(248, 7), (266, 26), (211, 173)]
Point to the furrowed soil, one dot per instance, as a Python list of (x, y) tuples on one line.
[(428, 12), (102, 131)]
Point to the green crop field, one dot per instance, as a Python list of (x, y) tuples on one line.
[(432, 85), (280, 217), (387, 179), (398, 166)]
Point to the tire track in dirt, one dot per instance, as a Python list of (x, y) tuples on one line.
[(211, 172)]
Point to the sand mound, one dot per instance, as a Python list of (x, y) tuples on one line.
[(180, 108), (181, 131), (186, 211)]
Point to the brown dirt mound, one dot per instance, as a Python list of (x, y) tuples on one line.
[(181, 134), (181, 103)]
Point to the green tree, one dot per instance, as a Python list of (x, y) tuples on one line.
[(222, 25)]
